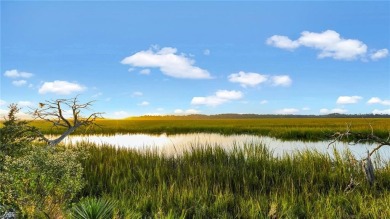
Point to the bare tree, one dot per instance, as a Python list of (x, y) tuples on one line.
[(66, 113), (359, 137)]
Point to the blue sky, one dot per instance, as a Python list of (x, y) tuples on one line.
[(137, 58)]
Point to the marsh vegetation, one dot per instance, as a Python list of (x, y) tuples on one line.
[(204, 181)]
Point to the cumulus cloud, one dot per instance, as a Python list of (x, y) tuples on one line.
[(282, 42), (287, 111), (336, 110), (60, 87), (144, 103), (329, 43), (248, 79), (17, 74), (348, 99), (19, 83), (386, 111), (220, 97), (169, 63), (380, 54), (281, 80), (145, 71), (186, 112), (120, 114), (377, 100), (206, 52), (252, 79)]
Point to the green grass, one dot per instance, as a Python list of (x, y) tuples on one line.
[(283, 128), (245, 183)]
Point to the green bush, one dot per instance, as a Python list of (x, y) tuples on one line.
[(16, 135), (41, 182)]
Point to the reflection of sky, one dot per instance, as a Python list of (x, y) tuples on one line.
[(171, 144)]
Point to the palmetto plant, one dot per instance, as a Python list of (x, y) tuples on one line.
[(93, 208)]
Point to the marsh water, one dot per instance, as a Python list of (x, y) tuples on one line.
[(178, 143)]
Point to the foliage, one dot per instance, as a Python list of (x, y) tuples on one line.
[(243, 183), (42, 181), (15, 135), (93, 208)]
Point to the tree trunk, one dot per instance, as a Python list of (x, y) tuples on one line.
[(64, 135)]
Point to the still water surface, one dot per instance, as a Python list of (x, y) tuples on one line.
[(176, 144)]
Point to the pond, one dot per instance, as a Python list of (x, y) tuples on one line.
[(176, 144)]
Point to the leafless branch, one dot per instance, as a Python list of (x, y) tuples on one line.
[(359, 137), (66, 113)]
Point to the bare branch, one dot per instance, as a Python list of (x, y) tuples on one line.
[(358, 137), (55, 111)]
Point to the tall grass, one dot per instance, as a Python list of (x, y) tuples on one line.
[(282, 128), (209, 182)]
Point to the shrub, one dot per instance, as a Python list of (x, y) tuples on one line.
[(42, 181), (15, 136)]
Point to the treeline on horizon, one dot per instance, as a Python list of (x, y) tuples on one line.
[(257, 116)]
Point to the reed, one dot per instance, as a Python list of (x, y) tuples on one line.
[(313, 129), (246, 182)]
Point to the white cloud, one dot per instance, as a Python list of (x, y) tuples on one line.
[(380, 54), (306, 108), (386, 111), (336, 110), (348, 99), (144, 103), (282, 42), (169, 63), (19, 83), (281, 80), (137, 94), (186, 112), (253, 79), (60, 87), (145, 71), (19, 115), (264, 102), (287, 111), (248, 79), (220, 97), (329, 43), (17, 74), (25, 103), (377, 100), (229, 95), (206, 52), (119, 114), (2, 102)]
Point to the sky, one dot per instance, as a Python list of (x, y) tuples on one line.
[(198, 57)]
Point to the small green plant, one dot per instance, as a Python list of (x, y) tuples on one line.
[(93, 208)]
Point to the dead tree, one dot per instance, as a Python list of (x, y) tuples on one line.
[(359, 137), (65, 113)]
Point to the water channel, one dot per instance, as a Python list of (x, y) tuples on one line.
[(176, 144)]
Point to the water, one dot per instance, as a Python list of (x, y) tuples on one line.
[(176, 144)]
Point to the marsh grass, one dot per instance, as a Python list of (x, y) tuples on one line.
[(248, 182), (314, 129)]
